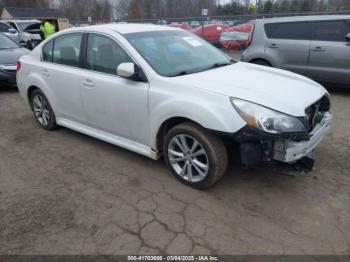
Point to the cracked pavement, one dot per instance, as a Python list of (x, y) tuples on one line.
[(63, 192)]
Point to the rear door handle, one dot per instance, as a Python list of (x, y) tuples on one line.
[(272, 46), (45, 72), (318, 49), (88, 83)]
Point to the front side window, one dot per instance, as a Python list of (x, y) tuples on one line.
[(291, 30), (331, 30), (173, 53), (66, 50), (47, 52), (104, 54)]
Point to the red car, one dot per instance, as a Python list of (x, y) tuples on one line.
[(211, 33), (238, 37)]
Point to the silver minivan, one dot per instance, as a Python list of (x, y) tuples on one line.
[(315, 46)]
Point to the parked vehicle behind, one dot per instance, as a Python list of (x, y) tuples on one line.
[(28, 30), (10, 52), (9, 31), (237, 37), (315, 46), (195, 24), (159, 90), (211, 33)]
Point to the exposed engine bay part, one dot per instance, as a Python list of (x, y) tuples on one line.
[(251, 154)]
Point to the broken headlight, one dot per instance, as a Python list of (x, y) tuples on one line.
[(266, 119)]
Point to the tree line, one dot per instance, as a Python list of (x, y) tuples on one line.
[(238, 7), (25, 3), (107, 10)]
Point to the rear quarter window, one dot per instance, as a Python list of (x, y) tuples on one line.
[(66, 50), (47, 52), (290, 30)]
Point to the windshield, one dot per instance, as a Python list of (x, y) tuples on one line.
[(173, 53), (23, 26), (7, 43)]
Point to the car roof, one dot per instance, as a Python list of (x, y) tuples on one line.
[(304, 18), (125, 28)]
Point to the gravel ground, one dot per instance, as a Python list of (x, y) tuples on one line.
[(62, 192)]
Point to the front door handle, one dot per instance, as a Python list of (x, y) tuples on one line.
[(318, 49), (272, 46), (45, 72), (88, 83)]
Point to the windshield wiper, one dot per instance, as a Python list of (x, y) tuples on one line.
[(181, 73), (187, 72), (217, 65)]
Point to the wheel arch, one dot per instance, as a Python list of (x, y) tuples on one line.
[(216, 114), (166, 126), (260, 59), (30, 91)]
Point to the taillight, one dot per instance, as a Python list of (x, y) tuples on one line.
[(250, 39), (18, 67)]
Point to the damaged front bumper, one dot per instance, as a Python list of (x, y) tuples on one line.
[(256, 146), (290, 151)]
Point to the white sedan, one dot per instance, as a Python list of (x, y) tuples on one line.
[(163, 91)]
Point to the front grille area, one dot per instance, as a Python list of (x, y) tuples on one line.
[(325, 104), (313, 112)]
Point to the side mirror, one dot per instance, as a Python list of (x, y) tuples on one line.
[(12, 31), (347, 37), (126, 70)]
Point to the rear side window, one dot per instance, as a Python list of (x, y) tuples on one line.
[(334, 31), (292, 30), (66, 49), (47, 52)]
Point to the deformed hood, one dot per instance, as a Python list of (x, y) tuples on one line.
[(274, 88)]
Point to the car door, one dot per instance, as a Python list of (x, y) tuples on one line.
[(113, 104), (330, 52), (62, 73), (288, 45)]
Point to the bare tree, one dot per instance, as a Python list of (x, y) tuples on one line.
[(155, 9), (120, 9), (98, 10)]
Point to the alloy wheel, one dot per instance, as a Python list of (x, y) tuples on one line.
[(188, 158), (41, 110)]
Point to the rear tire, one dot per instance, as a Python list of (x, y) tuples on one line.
[(42, 110), (196, 157), (261, 62)]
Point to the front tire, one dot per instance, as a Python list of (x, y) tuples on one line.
[(196, 157), (42, 110)]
